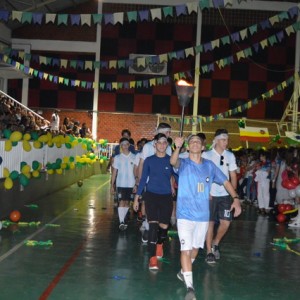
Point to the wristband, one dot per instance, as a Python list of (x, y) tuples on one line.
[(236, 197)]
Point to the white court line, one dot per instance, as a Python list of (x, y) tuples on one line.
[(16, 247)]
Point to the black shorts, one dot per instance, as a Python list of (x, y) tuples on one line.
[(158, 207), (125, 194), (219, 208)]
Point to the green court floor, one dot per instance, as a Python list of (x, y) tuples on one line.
[(91, 259)]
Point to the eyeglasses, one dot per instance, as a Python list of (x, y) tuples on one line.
[(221, 160)]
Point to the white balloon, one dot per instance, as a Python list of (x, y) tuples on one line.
[(292, 193), (297, 191)]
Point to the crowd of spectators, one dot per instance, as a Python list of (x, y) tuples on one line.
[(15, 117)]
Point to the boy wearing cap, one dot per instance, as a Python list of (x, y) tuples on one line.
[(196, 175), (221, 202), (123, 175), (156, 176)]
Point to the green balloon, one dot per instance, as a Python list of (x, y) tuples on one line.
[(71, 159), (34, 135), (68, 145), (6, 133), (14, 143), (35, 165), (14, 175), (58, 161), (23, 180)]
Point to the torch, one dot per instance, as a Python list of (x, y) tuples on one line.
[(184, 92)]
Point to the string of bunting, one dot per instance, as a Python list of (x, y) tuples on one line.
[(37, 18), (198, 119), (234, 37), (152, 81)]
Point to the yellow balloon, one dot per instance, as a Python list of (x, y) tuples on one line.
[(74, 143), (35, 173), (65, 159), (72, 165), (16, 136), (63, 165), (84, 147), (25, 169), (50, 143), (8, 183), (59, 171), (26, 137), (27, 174), (43, 138), (26, 146), (50, 172), (8, 145), (101, 161), (37, 144), (5, 172)]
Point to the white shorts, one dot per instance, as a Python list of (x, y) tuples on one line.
[(191, 234)]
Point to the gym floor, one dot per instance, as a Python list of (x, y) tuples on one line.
[(77, 252)]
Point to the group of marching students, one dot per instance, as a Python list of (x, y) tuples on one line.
[(194, 186), (179, 182)]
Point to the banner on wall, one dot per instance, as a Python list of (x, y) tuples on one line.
[(293, 136), (254, 134)]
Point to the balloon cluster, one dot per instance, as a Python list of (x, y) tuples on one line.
[(283, 212), (38, 141), (291, 183)]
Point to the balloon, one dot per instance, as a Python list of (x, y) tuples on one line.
[(292, 193), (35, 174), (287, 184), (59, 171), (68, 145), (43, 138), (37, 145), (281, 208), (297, 190), (7, 145), (288, 207), (14, 175), (25, 169), (34, 135), (50, 171), (6, 133), (35, 165), (295, 180), (23, 179), (15, 216), (26, 137), (5, 172), (16, 136), (26, 146), (8, 183), (281, 218)]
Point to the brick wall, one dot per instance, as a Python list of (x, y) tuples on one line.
[(110, 126)]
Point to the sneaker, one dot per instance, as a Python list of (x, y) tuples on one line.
[(210, 258), (180, 276), (159, 250), (153, 263), (216, 251), (122, 226), (190, 295), (145, 236)]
